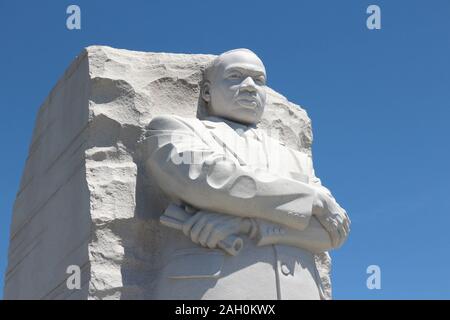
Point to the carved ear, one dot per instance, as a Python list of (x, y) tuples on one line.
[(206, 91)]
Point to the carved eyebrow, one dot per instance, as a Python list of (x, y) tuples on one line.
[(253, 72)]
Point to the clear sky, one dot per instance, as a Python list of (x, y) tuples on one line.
[(379, 101)]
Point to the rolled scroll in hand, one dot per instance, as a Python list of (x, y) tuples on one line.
[(175, 217)]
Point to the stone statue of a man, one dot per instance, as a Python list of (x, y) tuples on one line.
[(250, 212)]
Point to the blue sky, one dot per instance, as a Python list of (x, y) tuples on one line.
[(379, 101)]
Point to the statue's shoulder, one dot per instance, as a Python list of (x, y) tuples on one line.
[(173, 122), (301, 157), (262, 134)]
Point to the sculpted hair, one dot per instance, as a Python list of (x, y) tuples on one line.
[(214, 63)]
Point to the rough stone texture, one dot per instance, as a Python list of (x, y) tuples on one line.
[(83, 197)]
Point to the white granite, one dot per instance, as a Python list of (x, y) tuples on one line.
[(84, 198)]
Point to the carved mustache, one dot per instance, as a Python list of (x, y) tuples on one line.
[(247, 96)]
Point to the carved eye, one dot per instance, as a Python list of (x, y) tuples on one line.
[(234, 76), (260, 81)]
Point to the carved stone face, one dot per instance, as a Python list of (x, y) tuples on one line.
[(235, 87)]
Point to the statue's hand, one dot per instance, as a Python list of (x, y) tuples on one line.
[(332, 217), (207, 228)]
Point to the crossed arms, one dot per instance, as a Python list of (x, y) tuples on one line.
[(192, 170)]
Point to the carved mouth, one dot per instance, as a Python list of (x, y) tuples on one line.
[(247, 102)]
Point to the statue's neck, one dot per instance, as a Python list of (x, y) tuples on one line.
[(233, 124)]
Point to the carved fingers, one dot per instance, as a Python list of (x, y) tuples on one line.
[(208, 229), (333, 218), (337, 225)]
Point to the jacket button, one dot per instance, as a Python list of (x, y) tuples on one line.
[(285, 269)]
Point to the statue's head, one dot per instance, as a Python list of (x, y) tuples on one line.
[(234, 86)]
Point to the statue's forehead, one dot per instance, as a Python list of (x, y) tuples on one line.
[(241, 60)]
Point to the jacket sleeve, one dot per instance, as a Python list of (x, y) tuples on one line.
[(314, 238), (192, 171)]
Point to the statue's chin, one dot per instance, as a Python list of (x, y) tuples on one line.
[(244, 119), (249, 114)]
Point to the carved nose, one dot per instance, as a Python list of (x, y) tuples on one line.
[(248, 84)]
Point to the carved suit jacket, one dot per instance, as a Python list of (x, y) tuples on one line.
[(225, 167)]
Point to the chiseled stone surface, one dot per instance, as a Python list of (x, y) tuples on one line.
[(83, 198)]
